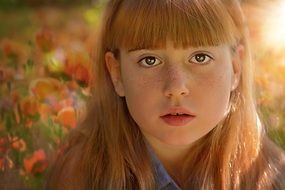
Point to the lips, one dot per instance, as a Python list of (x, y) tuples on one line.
[(177, 116)]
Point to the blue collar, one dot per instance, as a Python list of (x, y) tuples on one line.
[(162, 179)]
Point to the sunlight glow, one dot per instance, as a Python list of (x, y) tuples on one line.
[(273, 31)]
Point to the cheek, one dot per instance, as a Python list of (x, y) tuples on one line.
[(218, 80), (214, 94), (141, 90), (142, 98), (137, 85)]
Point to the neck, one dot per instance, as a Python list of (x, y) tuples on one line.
[(171, 156)]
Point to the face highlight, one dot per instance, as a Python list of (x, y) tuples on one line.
[(176, 83)]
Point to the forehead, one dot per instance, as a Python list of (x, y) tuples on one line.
[(151, 23)]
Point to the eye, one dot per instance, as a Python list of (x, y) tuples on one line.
[(201, 58), (149, 61)]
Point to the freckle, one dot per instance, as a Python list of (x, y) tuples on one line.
[(151, 82)]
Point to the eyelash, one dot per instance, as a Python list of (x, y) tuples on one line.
[(192, 60)]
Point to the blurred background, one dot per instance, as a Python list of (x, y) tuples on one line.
[(45, 56)]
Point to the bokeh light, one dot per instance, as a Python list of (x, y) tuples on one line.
[(273, 29)]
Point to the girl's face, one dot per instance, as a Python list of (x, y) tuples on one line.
[(176, 95)]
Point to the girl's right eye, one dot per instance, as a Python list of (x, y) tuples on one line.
[(149, 61), (201, 59)]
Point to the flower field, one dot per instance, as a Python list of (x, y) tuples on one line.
[(45, 72), (45, 58)]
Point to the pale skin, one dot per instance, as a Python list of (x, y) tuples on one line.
[(155, 80)]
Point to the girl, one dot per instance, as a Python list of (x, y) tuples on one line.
[(173, 104)]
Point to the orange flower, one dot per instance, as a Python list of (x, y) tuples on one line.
[(19, 144), (77, 67), (29, 106), (66, 117), (47, 87), (37, 163), (45, 40)]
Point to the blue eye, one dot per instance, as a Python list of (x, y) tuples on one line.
[(149, 61), (200, 58)]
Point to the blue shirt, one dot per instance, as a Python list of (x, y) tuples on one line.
[(162, 179)]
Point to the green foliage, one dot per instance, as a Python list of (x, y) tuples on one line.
[(278, 136)]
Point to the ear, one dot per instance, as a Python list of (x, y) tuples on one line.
[(237, 59), (114, 70)]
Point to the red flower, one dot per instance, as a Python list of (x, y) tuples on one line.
[(77, 66), (37, 163)]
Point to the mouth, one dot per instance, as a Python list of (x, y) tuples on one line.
[(178, 114), (177, 117)]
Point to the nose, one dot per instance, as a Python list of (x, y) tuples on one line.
[(176, 83)]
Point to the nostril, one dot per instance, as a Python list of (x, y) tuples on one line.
[(176, 83), (177, 92)]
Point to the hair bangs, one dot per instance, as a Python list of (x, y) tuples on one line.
[(150, 23)]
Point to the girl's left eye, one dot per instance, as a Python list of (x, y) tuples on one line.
[(200, 58), (149, 61)]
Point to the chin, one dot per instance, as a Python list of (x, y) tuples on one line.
[(179, 141)]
